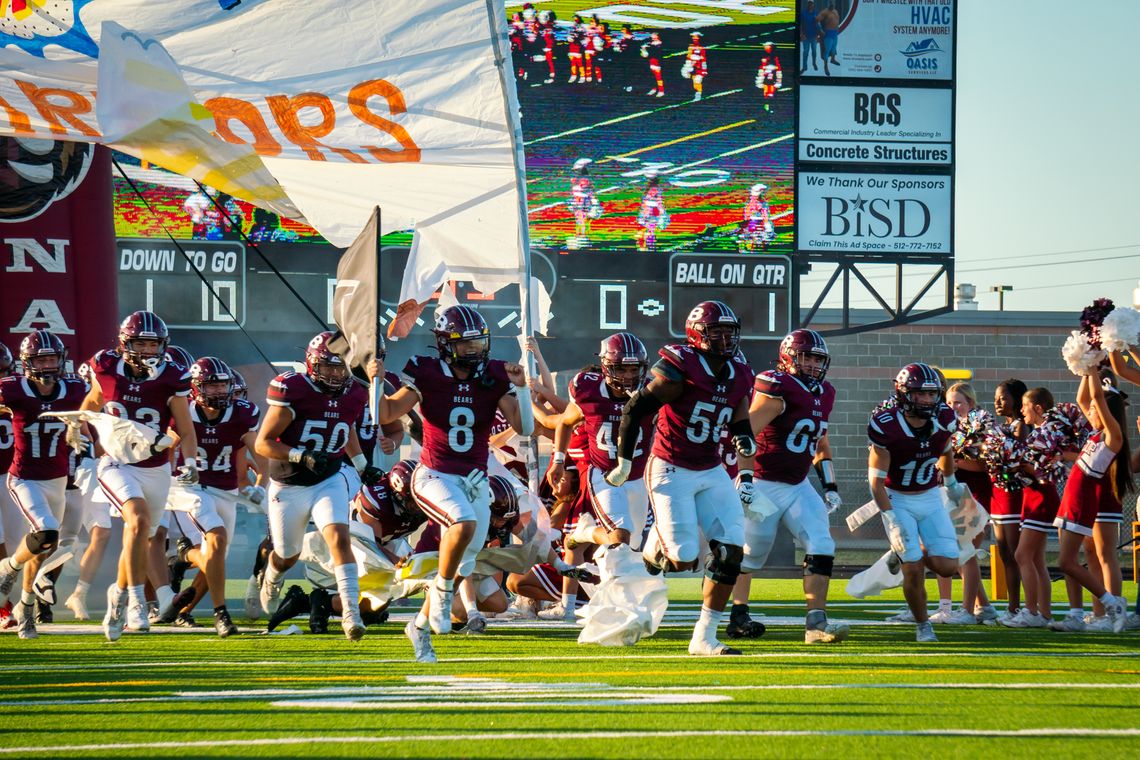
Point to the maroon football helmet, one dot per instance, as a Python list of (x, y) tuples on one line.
[(457, 325), (7, 364), (504, 500), (913, 378), (206, 374), (179, 355), (39, 345), (400, 485), (712, 328), (143, 325), (325, 367), (795, 346), (241, 390), (624, 361)]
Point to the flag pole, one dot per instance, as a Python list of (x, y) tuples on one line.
[(376, 388)]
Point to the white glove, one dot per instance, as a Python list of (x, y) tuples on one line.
[(895, 533), (620, 473), (745, 490), (956, 490), (188, 474), (255, 494), (833, 499), (473, 484)]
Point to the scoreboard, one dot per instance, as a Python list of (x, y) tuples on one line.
[(200, 286)]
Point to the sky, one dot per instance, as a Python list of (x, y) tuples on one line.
[(1048, 161)]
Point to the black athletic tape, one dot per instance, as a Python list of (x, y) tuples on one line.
[(640, 405)]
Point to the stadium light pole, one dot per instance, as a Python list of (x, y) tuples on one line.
[(1001, 290)]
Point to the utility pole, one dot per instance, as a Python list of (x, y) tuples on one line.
[(1001, 290)]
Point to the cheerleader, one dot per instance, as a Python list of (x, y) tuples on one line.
[(1005, 504)]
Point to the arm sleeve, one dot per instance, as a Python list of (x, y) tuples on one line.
[(640, 405)]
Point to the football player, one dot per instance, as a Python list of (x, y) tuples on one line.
[(309, 438), (37, 477), (654, 51), (769, 77), (652, 215), (135, 382), (696, 64), (911, 455), (758, 230), (597, 402), (789, 413), (697, 389), (7, 450), (459, 392)]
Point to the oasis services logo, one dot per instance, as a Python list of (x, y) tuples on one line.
[(922, 55)]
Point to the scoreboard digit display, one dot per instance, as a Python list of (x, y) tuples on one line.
[(756, 288), (155, 275)]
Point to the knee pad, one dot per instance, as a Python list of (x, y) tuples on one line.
[(42, 541), (723, 565), (674, 566), (818, 564)]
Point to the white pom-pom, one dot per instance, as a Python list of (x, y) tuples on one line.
[(1079, 355), (1120, 330)]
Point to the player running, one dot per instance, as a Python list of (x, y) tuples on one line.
[(789, 415), (758, 230), (654, 51), (769, 77), (697, 389), (37, 477), (652, 215), (309, 439), (696, 65), (911, 454), (583, 202), (459, 392)]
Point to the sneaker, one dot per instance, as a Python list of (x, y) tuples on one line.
[(78, 607), (1068, 624), (987, 614), (1117, 612), (558, 612), (831, 633), (1132, 623), (1101, 624), (352, 625), (940, 617), (223, 625), (906, 616), (703, 648), (137, 618), (439, 616), (252, 598), (44, 614), (270, 594), (1005, 614), (320, 610), (115, 618), (1015, 621), (296, 602), (27, 629), (1037, 621), (924, 633), (583, 532), (186, 620), (476, 623), (421, 642), (180, 600), (961, 616)]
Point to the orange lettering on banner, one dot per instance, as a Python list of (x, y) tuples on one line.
[(53, 112), (17, 118), (286, 112), (358, 103), (227, 109)]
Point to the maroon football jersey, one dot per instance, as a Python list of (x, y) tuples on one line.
[(727, 453), (457, 414), (366, 430), (578, 448), (40, 449), (601, 414), (7, 441), (785, 449), (321, 421), (914, 453), (376, 501), (220, 442), (690, 426), (146, 401)]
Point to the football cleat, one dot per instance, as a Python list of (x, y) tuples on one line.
[(703, 648), (476, 623), (583, 532), (253, 608), (296, 602), (223, 625), (44, 614), (320, 610), (654, 557), (137, 618), (439, 615), (421, 642), (27, 628), (186, 620), (522, 608), (831, 633), (180, 600), (742, 626), (78, 606), (152, 612), (270, 594), (352, 625), (115, 618), (7, 581), (924, 633), (557, 612)]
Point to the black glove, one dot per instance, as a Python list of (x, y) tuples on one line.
[(315, 461), (370, 475)]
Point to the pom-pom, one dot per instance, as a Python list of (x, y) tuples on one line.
[(970, 435), (1080, 355), (1120, 329), (1093, 316)]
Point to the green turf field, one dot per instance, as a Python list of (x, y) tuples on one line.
[(529, 690)]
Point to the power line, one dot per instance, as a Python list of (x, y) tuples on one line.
[(1069, 253), (1050, 264)]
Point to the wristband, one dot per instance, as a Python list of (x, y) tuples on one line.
[(296, 453), (559, 457), (359, 461), (745, 477), (826, 470)]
